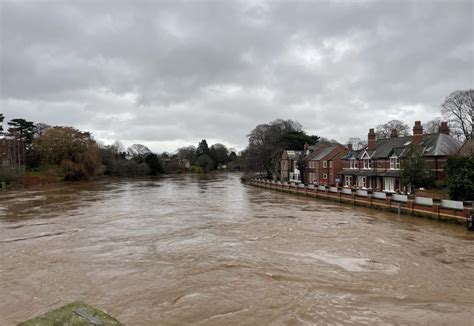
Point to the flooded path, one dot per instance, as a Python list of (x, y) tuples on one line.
[(208, 250)]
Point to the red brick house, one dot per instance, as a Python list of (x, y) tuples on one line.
[(377, 166), (324, 164), (288, 166)]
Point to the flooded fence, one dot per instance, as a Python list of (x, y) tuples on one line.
[(448, 210)]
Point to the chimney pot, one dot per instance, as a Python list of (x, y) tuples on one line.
[(444, 128), (417, 133)]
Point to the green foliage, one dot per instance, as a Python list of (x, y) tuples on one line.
[(75, 152), (266, 142), (460, 171), (295, 140), (22, 129), (154, 164), (10, 174), (219, 154), (195, 169), (205, 162), (414, 171)]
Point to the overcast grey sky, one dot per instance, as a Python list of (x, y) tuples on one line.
[(167, 74)]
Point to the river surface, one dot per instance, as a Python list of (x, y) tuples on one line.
[(207, 250)]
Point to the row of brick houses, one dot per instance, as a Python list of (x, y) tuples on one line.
[(376, 166)]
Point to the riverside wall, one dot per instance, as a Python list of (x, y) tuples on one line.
[(445, 210)]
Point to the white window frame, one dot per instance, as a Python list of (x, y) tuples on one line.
[(325, 164), (362, 182), (352, 163), (330, 164), (391, 184), (348, 180), (367, 164), (325, 176), (394, 163)]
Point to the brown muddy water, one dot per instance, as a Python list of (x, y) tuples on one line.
[(207, 250)]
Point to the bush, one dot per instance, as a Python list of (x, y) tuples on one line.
[(460, 171), (10, 174), (195, 169)]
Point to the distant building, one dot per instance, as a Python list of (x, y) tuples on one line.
[(322, 166), (289, 166), (377, 166)]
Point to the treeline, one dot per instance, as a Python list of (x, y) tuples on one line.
[(37, 149)]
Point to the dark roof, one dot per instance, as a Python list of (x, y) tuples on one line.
[(431, 145), (323, 153), (317, 148), (354, 153)]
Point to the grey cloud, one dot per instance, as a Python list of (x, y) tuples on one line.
[(172, 72)]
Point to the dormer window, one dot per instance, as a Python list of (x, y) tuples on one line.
[(394, 163)]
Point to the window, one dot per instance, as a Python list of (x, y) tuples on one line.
[(394, 163), (367, 163), (330, 164), (325, 164), (325, 176), (389, 184), (353, 163), (362, 182), (348, 180)]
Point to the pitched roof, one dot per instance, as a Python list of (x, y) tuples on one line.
[(327, 151), (317, 148), (293, 155), (436, 144)]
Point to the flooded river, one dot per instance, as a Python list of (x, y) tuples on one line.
[(207, 250)]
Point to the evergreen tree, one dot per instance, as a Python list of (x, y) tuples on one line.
[(22, 129), (154, 163), (414, 171), (203, 148), (460, 171)]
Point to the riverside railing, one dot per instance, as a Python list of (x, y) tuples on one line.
[(450, 210)]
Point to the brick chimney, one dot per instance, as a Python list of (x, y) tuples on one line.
[(349, 147), (306, 149), (371, 139), (394, 133), (444, 128), (417, 133)]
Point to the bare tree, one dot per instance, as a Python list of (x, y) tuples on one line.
[(40, 129), (384, 130), (432, 126), (357, 143), (137, 150), (458, 108), (264, 144)]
